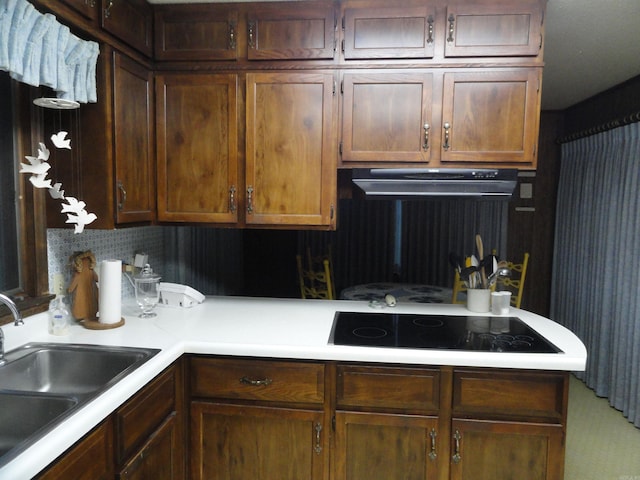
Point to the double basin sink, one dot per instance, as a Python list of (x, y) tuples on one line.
[(41, 384)]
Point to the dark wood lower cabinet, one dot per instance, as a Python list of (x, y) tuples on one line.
[(156, 459), (488, 450), (232, 442), (371, 446), (265, 419), (89, 459)]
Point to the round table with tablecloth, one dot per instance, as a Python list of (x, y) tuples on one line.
[(403, 292)]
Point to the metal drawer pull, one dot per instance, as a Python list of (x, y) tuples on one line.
[(452, 20), (232, 199), (232, 36), (107, 11), (123, 197), (430, 29), (252, 28), (318, 447), (433, 435), (456, 450), (425, 145), (256, 383), (446, 145), (250, 199)]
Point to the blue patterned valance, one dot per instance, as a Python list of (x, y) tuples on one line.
[(37, 50)]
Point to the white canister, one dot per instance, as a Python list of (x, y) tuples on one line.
[(479, 300)]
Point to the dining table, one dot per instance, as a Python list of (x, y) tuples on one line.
[(403, 292)]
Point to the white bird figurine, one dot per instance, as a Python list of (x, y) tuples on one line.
[(73, 205), (81, 219), (35, 166), (40, 181), (60, 141), (56, 191)]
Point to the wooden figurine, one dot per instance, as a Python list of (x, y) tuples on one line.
[(84, 287)]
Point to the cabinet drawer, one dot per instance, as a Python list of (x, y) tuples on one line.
[(293, 382), (144, 412), (397, 389), (510, 395)]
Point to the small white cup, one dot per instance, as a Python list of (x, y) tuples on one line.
[(500, 302)]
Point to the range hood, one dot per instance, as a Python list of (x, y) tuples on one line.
[(435, 182)]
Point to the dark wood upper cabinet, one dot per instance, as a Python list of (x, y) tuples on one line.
[(88, 8), (387, 116), (494, 30), (299, 31), (131, 21), (394, 32), (196, 32)]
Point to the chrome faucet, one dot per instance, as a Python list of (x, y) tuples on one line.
[(17, 320)]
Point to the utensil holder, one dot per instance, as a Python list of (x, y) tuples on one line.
[(479, 300)]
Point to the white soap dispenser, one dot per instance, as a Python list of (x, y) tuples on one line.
[(58, 316)]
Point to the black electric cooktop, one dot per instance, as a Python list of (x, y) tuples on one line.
[(402, 330)]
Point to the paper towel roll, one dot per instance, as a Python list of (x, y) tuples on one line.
[(110, 297)]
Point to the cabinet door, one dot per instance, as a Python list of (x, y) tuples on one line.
[(396, 32), (492, 30), (88, 8), (290, 149), (156, 458), (90, 459), (131, 21), (491, 116), (386, 117), (299, 31), (385, 447), (230, 442), (197, 150), (484, 450), (196, 32), (133, 141)]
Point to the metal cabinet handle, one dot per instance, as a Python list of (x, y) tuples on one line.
[(447, 127), (252, 27), (107, 11), (232, 36), (456, 448), (433, 435), (256, 383), (91, 3), (232, 199), (318, 446), (425, 145), (452, 20), (430, 29), (250, 199), (123, 196)]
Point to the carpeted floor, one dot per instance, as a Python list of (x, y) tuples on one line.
[(601, 443)]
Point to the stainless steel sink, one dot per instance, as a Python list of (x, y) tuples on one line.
[(41, 384), (39, 412), (67, 369)]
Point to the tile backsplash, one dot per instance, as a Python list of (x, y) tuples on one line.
[(106, 245)]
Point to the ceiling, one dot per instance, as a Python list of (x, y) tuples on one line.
[(590, 46)]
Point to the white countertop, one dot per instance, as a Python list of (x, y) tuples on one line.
[(256, 327)]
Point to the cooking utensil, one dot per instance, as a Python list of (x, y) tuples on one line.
[(480, 248)]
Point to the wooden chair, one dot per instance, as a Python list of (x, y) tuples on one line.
[(316, 280), (458, 288), (515, 283)]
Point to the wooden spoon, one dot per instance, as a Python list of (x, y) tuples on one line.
[(480, 248)]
